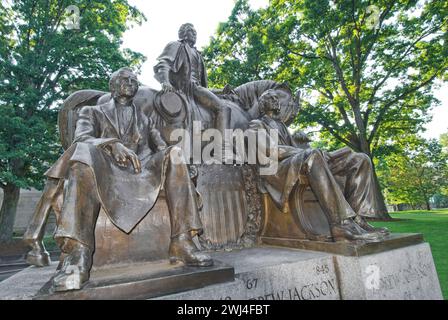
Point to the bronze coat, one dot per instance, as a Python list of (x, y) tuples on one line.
[(125, 196), (175, 62), (175, 65), (290, 160)]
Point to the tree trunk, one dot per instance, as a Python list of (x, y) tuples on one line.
[(8, 212), (381, 208), (428, 205), (382, 213)]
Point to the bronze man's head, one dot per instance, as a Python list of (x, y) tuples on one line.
[(123, 82), (188, 33), (268, 103)]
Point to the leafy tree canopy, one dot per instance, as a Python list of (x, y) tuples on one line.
[(44, 57), (368, 68), (416, 174)]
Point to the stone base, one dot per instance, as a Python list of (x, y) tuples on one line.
[(270, 273), (263, 273), (355, 249), (401, 274), (406, 273), (131, 281)]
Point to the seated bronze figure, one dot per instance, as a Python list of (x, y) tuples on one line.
[(111, 165), (341, 181)]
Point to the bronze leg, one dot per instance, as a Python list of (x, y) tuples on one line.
[(221, 114), (75, 233), (80, 209), (35, 232), (181, 196), (184, 215), (209, 100), (327, 189), (354, 172)]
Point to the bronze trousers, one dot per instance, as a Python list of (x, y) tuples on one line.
[(209, 100), (343, 184), (82, 204), (354, 174)]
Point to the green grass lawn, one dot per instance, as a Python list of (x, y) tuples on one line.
[(434, 226)]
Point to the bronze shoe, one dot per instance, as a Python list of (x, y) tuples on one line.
[(75, 270), (361, 221), (348, 231), (37, 256), (183, 249)]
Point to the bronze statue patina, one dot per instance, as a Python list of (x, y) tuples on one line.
[(342, 180), (116, 161), (181, 67), (111, 165)]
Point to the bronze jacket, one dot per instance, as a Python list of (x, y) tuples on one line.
[(175, 65), (125, 196), (284, 157)]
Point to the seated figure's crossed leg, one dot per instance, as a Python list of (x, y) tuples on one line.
[(330, 196), (34, 234), (354, 173)]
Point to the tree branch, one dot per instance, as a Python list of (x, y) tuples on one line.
[(400, 59), (386, 107), (327, 126)]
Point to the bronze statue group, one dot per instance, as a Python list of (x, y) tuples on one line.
[(119, 161)]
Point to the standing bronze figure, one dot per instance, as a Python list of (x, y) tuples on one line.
[(342, 181), (181, 67), (111, 165)]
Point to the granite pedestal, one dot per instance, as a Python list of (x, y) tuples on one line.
[(402, 268), (271, 273), (401, 274)]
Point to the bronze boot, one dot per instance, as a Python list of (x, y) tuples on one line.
[(361, 221), (348, 231), (37, 256), (182, 248), (75, 270)]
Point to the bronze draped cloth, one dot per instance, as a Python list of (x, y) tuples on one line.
[(125, 196)]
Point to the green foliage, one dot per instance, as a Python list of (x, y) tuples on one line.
[(444, 141), (416, 174), (440, 200), (366, 84), (41, 63), (238, 53)]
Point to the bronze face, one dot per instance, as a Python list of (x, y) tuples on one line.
[(270, 104), (188, 33), (125, 84), (191, 36)]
